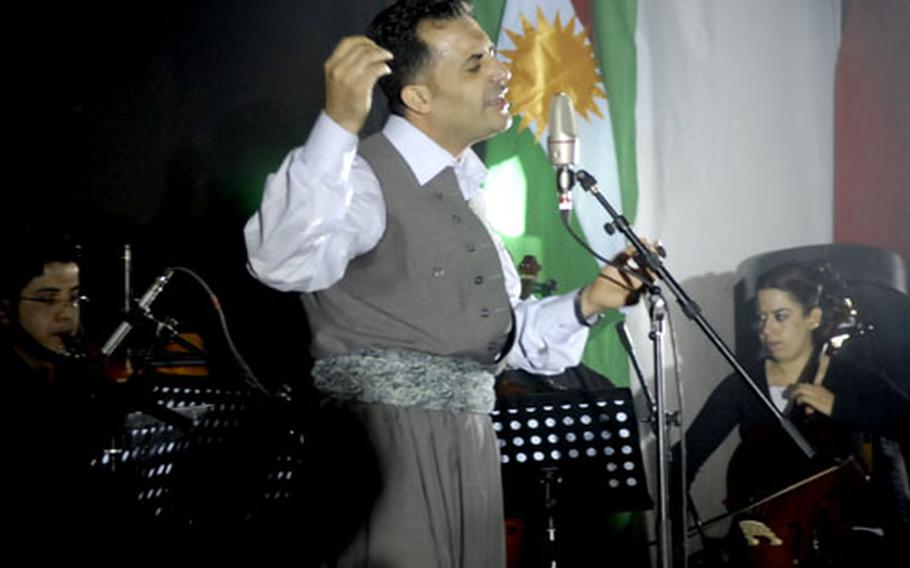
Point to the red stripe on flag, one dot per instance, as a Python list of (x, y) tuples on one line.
[(583, 11), (584, 15)]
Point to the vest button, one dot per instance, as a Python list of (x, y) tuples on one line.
[(438, 195), (456, 218), (478, 280), (470, 247), (439, 271), (484, 312)]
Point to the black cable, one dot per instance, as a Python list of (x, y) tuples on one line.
[(247, 372), (620, 267), (580, 241)]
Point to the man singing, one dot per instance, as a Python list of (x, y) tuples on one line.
[(413, 303)]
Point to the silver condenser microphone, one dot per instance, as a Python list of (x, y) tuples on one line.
[(563, 149), (143, 306)]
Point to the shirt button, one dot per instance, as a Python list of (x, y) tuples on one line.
[(478, 280)]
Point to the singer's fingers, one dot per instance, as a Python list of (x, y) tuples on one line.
[(351, 72), (654, 247), (613, 288), (632, 265), (640, 264)]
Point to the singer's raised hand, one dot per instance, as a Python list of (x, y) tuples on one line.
[(351, 72)]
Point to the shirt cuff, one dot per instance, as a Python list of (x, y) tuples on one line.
[(587, 322), (330, 149), (559, 314)]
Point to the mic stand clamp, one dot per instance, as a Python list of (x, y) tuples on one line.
[(166, 329)]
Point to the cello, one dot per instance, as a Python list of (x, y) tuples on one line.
[(790, 510)]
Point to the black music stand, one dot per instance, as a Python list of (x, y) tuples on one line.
[(586, 439), (234, 469)]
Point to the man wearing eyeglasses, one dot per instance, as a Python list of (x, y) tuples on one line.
[(54, 421), (40, 301), (43, 315)]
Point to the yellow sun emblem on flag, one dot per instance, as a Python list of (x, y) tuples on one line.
[(547, 60)]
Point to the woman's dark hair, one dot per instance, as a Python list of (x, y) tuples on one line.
[(813, 285), (799, 280), (395, 29)]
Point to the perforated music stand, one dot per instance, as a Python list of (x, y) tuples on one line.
[(574, 437)]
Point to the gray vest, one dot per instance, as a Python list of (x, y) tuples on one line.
[(432, 284)]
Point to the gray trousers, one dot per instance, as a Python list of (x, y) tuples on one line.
[(415, 488)]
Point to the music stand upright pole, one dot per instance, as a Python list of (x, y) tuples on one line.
[(550, 479)]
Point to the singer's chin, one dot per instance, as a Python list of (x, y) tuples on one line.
[(507, 122), (501, 126)]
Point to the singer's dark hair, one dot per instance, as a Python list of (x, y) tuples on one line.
[(26, 259), (395, 29)]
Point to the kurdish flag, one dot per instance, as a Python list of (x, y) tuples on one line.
[(586, 49)]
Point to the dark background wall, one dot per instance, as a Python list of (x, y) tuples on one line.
[(155, 124)]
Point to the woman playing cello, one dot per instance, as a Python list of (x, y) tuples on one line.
[(816, 504)]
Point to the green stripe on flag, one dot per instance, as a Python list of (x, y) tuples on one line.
[(615, 47), (562, 259), (488, 14)]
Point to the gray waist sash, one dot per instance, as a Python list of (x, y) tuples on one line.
[(407, 378)]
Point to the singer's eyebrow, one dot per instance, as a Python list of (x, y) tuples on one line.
[(475, 58)]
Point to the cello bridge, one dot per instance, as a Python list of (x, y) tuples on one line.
[(753, 530)]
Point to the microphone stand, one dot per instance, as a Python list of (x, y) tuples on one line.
[(657, 313)]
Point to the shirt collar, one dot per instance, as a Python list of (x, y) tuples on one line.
[(426, 158)]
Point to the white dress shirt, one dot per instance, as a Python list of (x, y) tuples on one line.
[(324, 207)]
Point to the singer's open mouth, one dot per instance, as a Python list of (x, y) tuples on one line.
[(498, 98), (499, 101)]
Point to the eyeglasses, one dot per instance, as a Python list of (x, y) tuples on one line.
[(56, 303)]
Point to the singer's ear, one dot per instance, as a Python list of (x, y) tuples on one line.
[(417, 98)]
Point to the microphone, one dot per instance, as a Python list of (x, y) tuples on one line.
[(144, 304), (563, 149)]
